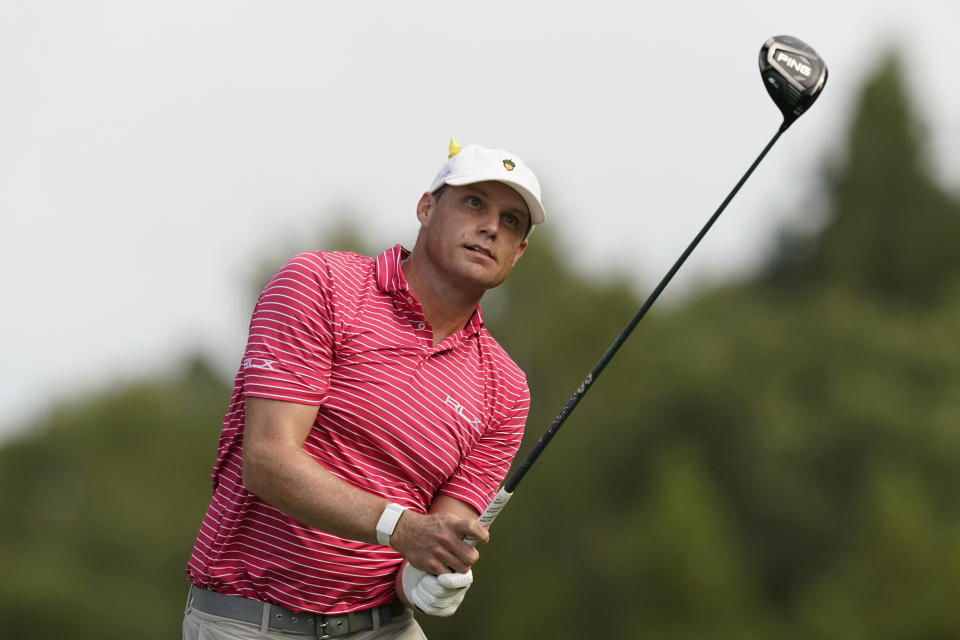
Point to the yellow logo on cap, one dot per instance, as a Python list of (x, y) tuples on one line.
[(454, 148), (509, 165)]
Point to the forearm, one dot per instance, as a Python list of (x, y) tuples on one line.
[(288, 478), (303, 489)]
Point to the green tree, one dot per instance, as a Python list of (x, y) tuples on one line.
[(891, 231), (100, 503)]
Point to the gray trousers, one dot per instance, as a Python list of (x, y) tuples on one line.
[(198, 625)]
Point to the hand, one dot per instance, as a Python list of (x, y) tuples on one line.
[(434, 595), (434, 542)]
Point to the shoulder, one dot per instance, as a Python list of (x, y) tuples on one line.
[(327, 260), (328, 267), (319, 281), (503, 365), (344, 260)]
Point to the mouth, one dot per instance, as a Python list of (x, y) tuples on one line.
[(478, 249)]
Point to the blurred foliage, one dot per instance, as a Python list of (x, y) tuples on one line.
[(774, 459), (892, 232), (98, 504)]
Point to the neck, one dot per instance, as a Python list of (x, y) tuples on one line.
[(445, 306)]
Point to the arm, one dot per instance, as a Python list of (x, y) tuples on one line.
[(279, 471)]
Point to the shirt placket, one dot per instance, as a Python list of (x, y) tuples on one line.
[(418, 323)]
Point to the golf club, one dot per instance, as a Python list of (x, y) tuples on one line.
[(794, 75)]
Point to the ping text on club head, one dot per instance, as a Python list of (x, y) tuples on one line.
[(793, 63)]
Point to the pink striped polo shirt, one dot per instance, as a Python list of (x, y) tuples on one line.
[(398, 417)]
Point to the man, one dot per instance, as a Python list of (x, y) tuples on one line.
[(372, 420)]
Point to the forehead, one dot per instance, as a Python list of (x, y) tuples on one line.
[(497, 193)]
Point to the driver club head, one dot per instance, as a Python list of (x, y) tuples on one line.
[(793, 74)]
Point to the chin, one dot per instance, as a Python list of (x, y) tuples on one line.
[(470, 282), (472, 275)]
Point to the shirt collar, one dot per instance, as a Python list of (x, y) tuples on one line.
[(389, 274), (390, 279)]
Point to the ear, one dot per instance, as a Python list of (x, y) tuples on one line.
[(425, 207), (523, 247)]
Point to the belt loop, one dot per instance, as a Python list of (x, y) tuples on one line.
[(186, 608), (321, 628), (375, 617), (265, 618)]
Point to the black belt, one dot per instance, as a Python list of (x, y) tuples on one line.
[(278, 618)]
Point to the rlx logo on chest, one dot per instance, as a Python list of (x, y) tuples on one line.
[(456, 406)]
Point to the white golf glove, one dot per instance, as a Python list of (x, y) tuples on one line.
[(435, 595)]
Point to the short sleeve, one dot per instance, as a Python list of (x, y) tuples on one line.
[(290, 344)]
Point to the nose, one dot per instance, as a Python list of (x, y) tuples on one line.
[(489, 224)]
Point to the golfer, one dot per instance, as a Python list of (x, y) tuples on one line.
[(373, 418)]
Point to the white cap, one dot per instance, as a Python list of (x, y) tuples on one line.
[(475, 163)]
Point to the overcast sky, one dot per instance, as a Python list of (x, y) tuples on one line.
[(151, 155)]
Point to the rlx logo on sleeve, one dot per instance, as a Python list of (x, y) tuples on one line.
[(259, 363)]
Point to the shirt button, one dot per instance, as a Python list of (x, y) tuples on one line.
[(420, 325)]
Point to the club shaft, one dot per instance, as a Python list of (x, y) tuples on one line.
[(598, 368)]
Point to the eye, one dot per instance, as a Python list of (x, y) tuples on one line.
[(510, 220), (474, 202)]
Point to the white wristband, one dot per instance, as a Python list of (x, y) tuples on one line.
[(388, 522)]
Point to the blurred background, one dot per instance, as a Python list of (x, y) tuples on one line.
[(771, 455)]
